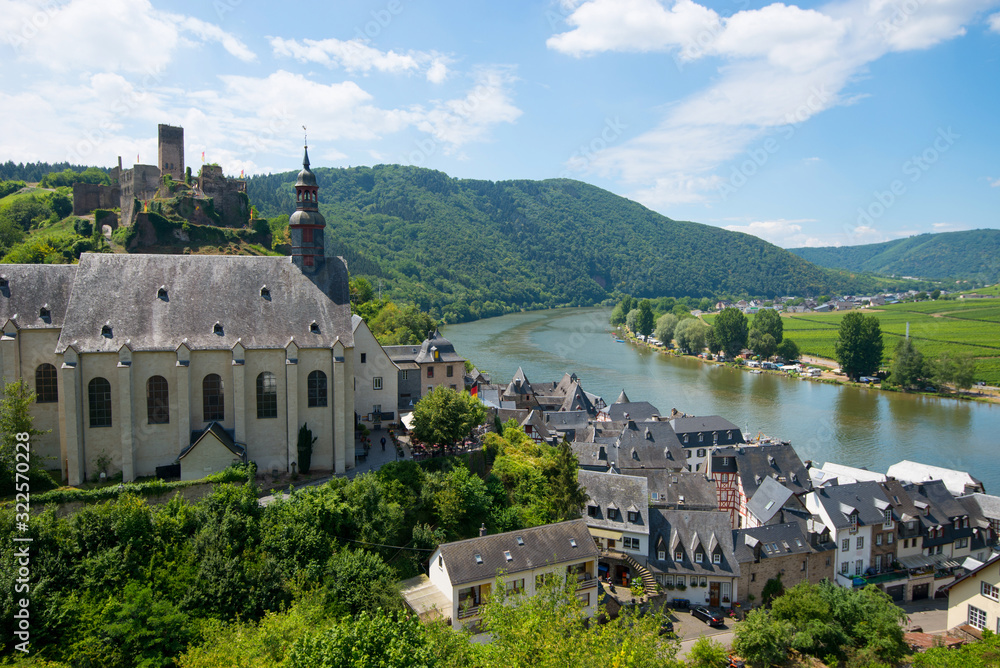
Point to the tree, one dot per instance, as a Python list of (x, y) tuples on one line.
[(763, 640), (372, 639), (665, 326), (566, 494), (618, 314), (816, 631), (768, 321), (907, 364), (706, 653), (957, 370), (773, 588), (361, 290), (690, 335), (730, 329), (15, 419), (762, 344), (61, 205), (645, 320), (444, 416), (788, 350), (859, 344), (935, 295), (632, 320)]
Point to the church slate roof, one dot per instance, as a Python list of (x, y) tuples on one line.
[(31, 287), (202, 290), (445, 350), (543, 545)]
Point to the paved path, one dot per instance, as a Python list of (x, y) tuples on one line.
[(375, 459)]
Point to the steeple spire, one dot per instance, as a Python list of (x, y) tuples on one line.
[(306, 225)]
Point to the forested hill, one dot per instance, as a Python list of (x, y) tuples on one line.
[(464, 249), (973, 255)]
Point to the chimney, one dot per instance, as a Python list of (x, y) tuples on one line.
[(482, 530)]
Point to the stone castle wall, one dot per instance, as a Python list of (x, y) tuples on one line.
[(171, 151), (90, 196), (141, 182)]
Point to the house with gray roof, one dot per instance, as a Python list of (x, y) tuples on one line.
[(617, 510), (649, 445), (139, 354), (640, 411), (787, 551), (678, 489), (854, 514), (692, 550), (738, 472), (698, 435), (463, 574), (437, 363), (958, 483)]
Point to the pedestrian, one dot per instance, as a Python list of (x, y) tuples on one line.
[(383, 444)]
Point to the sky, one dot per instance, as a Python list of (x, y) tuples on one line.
[(809, 124)]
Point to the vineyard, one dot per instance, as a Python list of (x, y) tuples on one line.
[(957, 327)]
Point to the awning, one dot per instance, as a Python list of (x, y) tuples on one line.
[(604, 533), (924, 561), (407, 420)]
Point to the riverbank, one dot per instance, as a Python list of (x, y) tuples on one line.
[(989, 395)]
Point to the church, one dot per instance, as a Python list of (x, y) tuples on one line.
[(144, 361)]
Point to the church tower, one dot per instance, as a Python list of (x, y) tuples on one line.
[(306, 226)]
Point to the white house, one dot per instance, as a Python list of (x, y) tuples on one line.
[(852, 513), (975, 598), (376, 378), (463, 574)]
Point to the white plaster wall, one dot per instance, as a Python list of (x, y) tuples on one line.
[(267, 442), (101, 440), (154, 444), (319, 419)]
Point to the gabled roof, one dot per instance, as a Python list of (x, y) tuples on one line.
[(519, 384), (638, 411), (691, 528), (613, 490), (32, 287), (994, 560), (244, 295), (708, 423), (756, 462), (577, 400), (957, 482), (776, 540), (543, 545), (214, 431), (768, 500), (650, 445), (688, 489), (982, 506), (840, 500)]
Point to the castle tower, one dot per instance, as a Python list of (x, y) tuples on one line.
[(171, 151), (306, 226)]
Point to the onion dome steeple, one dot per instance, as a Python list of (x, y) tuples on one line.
[(306, 226)]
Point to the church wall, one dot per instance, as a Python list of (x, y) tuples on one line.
[(320, 419), (98, 441), (154, 444), (36, 347), (267, 442), (204, 362)]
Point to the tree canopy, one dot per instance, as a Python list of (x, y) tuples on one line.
[(444, 416), (730, 331), (859, 344)]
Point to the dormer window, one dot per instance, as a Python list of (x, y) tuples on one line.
[(698, 556), (888, 519), (217, 329), (716, 558), (685, 438), (314, 327), (633, 516), (701, 438), (678, 556), (4, 283), (729, 435), (106, 331), (265, 292), (854, 522), (161, 294), (45, 314), (592, 511)]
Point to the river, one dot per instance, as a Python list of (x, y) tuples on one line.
[(848, 425)]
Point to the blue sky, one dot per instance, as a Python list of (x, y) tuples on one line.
[(814, 124)]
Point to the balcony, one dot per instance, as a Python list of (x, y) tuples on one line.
[(880, 578), (471, 611), (582, 585)]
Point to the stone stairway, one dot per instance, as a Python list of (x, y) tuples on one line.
[(648, 581)]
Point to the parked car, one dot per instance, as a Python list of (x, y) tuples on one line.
[(666, 627), (707, 616)]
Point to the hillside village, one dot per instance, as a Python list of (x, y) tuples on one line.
[(696, 514)]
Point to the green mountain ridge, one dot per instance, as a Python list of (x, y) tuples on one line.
[(972, 255), (464, 249)]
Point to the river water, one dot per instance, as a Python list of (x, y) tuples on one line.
[(848, 425)]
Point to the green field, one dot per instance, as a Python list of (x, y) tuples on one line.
[(959, 327)]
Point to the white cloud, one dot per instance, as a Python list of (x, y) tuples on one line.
[(994, 21), (783, 233), (994, 183), (438, 71), (113, 35), (780, 66), (467, 119), (357, 56)]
